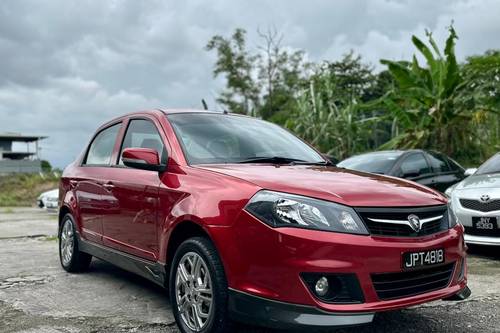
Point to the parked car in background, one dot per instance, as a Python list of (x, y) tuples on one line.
[(428, 168), (49, 199), (242, 220), (476, 203)]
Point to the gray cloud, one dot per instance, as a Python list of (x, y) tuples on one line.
[(68, 66)]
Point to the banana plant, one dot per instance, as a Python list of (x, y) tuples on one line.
[(426, 104)]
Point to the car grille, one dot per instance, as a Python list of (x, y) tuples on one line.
[(401, 214), (411, 283), (482, 232), (480, 206)]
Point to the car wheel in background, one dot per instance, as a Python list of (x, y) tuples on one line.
[(198, 288), (72, 260)]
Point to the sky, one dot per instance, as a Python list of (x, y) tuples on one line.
[(68, 66)]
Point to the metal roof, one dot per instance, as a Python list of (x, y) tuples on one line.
[(20, 138)]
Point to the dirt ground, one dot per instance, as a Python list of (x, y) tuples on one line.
[(36, 295)]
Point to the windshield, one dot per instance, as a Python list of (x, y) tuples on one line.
[(490, 166), (374, 163), (210, 138)]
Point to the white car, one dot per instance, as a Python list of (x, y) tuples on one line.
[(49, 199), (476, 203)]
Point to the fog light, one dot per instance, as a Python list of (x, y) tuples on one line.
[(321, 287)]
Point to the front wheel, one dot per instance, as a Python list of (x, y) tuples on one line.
[(198, 288)]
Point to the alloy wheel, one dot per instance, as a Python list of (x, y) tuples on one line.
[(67, 242), (193, 291)]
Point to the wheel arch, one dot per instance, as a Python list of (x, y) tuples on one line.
[(62, 212), (181, 232)]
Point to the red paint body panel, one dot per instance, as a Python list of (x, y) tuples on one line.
[(347, 187), (136, 211)]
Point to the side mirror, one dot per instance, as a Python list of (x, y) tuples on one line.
[(412, 173), (142, 158), (470, 171)]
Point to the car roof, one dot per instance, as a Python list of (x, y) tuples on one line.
[(156, 113)]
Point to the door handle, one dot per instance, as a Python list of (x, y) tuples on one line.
[(108, 185)]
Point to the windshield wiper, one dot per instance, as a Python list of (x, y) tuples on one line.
[(279, 160)]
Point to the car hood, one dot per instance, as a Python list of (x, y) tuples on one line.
[(344, 186), (474, 186), (480, 181)]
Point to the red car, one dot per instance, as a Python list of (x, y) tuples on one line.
[(241, 220)]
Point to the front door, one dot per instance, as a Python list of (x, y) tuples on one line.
[(130, 223)]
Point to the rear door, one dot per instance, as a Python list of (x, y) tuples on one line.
[(89, 186), (415, 167), (132, 225)]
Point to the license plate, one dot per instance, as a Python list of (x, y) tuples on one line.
[(484, 223), (423, 258)]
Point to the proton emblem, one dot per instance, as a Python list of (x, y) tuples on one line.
[(414, 222), (485, 198)]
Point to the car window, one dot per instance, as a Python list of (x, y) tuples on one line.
[(454, 166), (143, 134), (415, 162), (101, 148), (209, 138), (438, 162), (380, 162), (490, 166)]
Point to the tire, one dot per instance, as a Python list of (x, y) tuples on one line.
[(195, 296), (72, 260)]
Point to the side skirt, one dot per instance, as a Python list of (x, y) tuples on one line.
[(150, 270)]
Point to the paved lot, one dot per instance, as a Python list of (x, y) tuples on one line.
[(36, 295)]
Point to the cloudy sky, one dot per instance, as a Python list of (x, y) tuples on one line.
[(67, 66)]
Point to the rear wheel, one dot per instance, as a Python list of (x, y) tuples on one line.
[(72, 260), (198, 288)]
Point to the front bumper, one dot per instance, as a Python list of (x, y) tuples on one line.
[(253, 310), (268, 262), (482, 240), (465, 216)]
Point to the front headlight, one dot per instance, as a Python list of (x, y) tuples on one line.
[(287, 210), (452, 217)]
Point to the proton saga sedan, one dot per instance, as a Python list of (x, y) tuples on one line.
[(242, 221)]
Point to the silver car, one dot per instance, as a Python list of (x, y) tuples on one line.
[(476, 203)]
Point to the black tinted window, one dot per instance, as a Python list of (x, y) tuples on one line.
[(143, 134), (438, 162), (414, 162), (101, 148), (375, 163)]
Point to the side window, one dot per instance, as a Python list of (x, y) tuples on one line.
[(415, 162), (101, 148), (143, 134), (454, 166), (438, 162)]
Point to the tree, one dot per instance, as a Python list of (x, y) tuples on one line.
[(427, 104), (261, 83), (241, 94), (46, 166)]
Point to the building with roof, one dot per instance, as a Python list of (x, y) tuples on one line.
[(17, 160)]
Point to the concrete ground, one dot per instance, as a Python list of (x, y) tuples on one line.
[(36, 295)]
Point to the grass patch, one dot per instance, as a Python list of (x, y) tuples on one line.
[(22, 190), (50, 238), (8, 211)]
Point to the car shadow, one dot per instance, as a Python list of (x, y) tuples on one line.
[(392, 321), (486, 252)]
